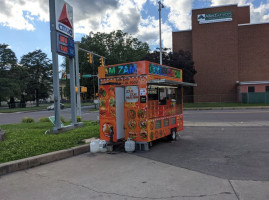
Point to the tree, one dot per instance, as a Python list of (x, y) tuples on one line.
[(181, 60), (8, 86), (117, 47), (39, 69)]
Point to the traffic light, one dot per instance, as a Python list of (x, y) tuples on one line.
[(102, 61), (89, 58)]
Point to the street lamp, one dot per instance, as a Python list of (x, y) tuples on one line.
[(160, 30)]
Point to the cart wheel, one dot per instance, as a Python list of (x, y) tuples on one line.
[(172, 136)]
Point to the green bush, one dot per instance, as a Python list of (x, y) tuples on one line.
[(79, 119), (28, 120), (44, 119)]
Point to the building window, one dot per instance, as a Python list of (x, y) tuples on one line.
[(251, 89), (266, 88)]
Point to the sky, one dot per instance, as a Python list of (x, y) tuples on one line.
[(24, 24)]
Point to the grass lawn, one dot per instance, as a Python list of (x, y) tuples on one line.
[(28, 139), (203, 105)]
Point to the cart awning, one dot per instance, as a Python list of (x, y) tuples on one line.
[(171, 83)]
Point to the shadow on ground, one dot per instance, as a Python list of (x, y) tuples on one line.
[(239, 153)]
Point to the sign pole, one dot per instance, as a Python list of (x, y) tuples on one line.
[(72, 91), (77, 80), (56, 92)]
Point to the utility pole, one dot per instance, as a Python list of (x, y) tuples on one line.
[(160, 30)]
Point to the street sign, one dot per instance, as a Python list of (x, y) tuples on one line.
[(86, 76)]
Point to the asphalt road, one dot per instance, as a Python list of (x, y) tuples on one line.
[(11, 118), (237, 153), (246, 115)]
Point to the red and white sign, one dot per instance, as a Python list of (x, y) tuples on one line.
[(64, 18), (131, 94)]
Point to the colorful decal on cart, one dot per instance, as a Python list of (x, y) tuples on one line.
[(131, 114), (142, 124), (106, 128), (156, 134), (151, 136), (151, 125), (111, 91), (161, 133), (112, 102), (132, 135), (103, 103), (143, 135), (141, 113), (102, 111), (102, 92), (164, 71), (132, 124), (113, 112)]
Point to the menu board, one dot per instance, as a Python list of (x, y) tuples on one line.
[(131, 94)]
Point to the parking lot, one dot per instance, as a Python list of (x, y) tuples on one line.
[(238, 153), (220, 155)]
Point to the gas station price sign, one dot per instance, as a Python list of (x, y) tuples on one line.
[(65, 45)]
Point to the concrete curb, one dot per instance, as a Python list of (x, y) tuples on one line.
[(34, 161)]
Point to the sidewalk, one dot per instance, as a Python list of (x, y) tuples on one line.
[(122, 176)]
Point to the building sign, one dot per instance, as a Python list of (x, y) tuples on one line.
[(164, 71), (215, 17), (65, 45), (131, 94), (64, 18), (121, 70)]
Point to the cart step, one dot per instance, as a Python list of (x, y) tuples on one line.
[(141, 146)]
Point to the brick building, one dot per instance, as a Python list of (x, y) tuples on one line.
[(228, 52)]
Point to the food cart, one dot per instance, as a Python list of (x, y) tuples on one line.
[(140, 100)]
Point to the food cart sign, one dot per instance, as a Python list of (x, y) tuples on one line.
[(117, 70), (164, 71), (131, 94)]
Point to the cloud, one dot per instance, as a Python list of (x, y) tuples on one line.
[(19, 14), (226, 2), (180, 13), (149, 31), (126, 15), (258, 14)]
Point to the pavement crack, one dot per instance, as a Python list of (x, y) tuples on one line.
[(237, 195), (126, 195), (141, 197)]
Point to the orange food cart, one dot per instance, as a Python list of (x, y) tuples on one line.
[(140, 100)]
